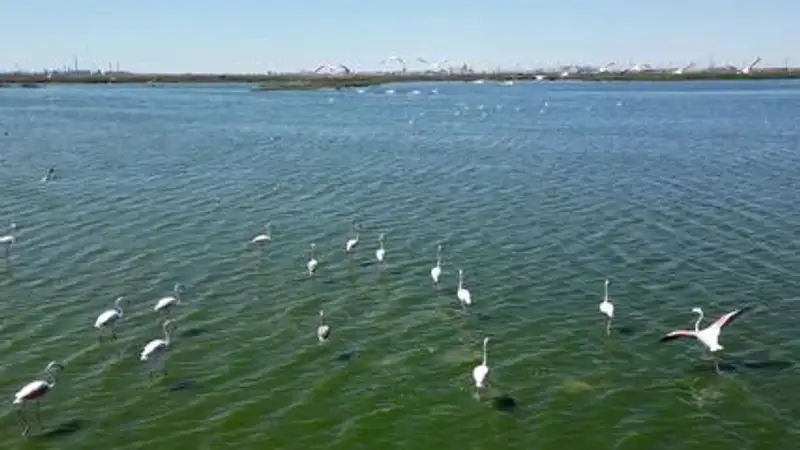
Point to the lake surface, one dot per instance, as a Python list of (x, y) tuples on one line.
[(681, 194)]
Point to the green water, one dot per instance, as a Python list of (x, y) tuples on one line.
[(681, 194)]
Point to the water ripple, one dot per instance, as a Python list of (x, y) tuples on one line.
[(682, 200)]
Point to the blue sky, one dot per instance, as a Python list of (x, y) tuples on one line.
[(256, 36)]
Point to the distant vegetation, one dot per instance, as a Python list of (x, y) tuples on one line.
[(313, 82)]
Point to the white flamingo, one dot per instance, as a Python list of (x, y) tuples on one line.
[(436, 271), (33, 392), (462, 293), (323, 330), (264, 237), (165, 304), (607, 308), (155, 351), (708, 336), (109, 318), (351, 243), (481, 371), (380, 253), (8, 240), (312, 263)]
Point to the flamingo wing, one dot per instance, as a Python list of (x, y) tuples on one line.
[(728, 318), (677, 334), (106, 318), (32, 390)]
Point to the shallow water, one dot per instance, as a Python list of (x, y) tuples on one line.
[(682, 194)]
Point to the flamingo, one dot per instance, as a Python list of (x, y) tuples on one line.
[(8, 240), (380, 253), (109, 318), (156, 350), (463, 294), (351, 243), (265, 237), (708, 336), (323, 330), (166, 303), (312, 263), (481, 371), (436, 271), (607, 308), (34, 391)]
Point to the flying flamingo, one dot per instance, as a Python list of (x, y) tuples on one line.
[(708, 336)]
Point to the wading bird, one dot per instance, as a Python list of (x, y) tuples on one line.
[(33, 392), (109, 318), (607, 308), (708, 336), (481, 371), (312, 263), (154, 353), (351, 244), (323, 330), (380, 253), (166, 303), (8, 240), (462, 293), (265, 237), (436, 271)]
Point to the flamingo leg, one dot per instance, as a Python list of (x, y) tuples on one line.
[(38, 415), (608, 327), (716, 364), (26, 427), (113, 334)]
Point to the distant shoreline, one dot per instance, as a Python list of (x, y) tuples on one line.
[(291, 82)]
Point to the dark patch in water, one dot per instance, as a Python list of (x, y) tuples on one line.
[(504, 403), (347, 356), (181, 385), (65, 429), (194, 332), (625, 330), (738, 365)]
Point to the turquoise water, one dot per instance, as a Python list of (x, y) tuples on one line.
[(681, 194)]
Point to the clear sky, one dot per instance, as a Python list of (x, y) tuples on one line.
[(257, 36)]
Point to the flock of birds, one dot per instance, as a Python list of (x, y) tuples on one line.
[(155, 351)]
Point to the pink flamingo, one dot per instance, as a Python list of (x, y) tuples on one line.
[(708, 336)]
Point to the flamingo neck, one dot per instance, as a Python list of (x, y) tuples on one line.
[(605, 296), (166, 334), (485, 358), (51, 378), (699, 319), (460, 281)]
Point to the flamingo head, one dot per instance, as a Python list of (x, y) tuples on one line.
[(607, 282), (53, 365), (697, 310)]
